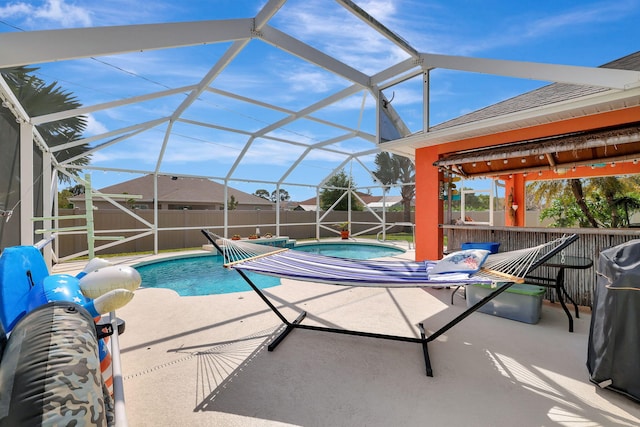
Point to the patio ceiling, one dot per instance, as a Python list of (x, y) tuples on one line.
[(563, 152), (187, 112)]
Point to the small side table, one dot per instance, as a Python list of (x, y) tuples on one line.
[(561, 262)]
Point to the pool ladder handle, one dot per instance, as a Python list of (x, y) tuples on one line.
[(401, 224)]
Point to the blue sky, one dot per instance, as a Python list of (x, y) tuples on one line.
[(588, 33)]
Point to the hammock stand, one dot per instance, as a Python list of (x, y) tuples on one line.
[(239, 263)]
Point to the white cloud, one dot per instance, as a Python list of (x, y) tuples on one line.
[(541, 23), (94, 127), (14, 9), (341, 34), (353, 103), (66, 14), (584, 15), (51, 13), (303, 79), (277, 153)]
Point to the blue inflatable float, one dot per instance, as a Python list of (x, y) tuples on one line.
[(55, 369)]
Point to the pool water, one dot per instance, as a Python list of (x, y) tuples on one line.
[(204, 274), (199, 275), (349, 250)]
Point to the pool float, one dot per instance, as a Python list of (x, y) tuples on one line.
[(50, 370), (26, 285), (95, 292), (104, 279), (20, 268), (63, 287), (92, 265), (97, 280)]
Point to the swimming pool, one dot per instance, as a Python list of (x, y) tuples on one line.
[(196, 275), (355, 250)]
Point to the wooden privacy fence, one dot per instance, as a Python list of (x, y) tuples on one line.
[(179, 229), (579, 283)]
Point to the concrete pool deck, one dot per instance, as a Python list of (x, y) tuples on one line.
[(202, 361)]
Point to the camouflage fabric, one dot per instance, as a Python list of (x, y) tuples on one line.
[(50, 370)]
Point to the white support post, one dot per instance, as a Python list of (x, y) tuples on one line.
[(318, 213), (226, 208), (425, 101), (278, 203), (88, 198), (26, 184), (384, 213), (47, 206), (155, 214)]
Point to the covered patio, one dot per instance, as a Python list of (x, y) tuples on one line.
[(199, 366)]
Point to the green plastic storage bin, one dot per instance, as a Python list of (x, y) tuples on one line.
[(521, 302)]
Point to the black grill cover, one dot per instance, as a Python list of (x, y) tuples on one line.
[(614, 338)]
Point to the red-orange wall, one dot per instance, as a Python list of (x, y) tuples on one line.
[(429, 210)]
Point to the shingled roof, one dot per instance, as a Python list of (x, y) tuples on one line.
[(546, 95), (559, 152), (182, 190)]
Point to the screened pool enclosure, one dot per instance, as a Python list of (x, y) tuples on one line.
[(250, 102)]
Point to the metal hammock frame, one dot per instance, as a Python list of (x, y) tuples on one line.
[(501, 270)]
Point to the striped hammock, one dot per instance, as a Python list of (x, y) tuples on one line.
[(510, 266)]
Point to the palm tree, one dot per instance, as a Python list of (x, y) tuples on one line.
[(38, 98), (394, 169), (578, 193)]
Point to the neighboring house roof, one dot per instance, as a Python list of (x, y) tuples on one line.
[(307, 208), (389, 201), (181, 190), (311, 202), (371, 201)]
